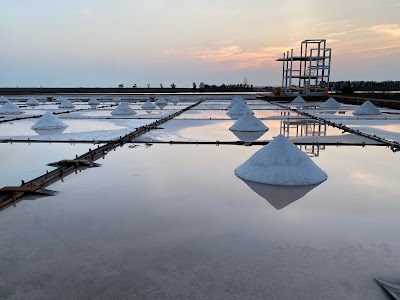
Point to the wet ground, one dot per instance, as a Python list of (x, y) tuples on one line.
[(174, 222)]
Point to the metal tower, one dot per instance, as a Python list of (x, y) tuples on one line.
[(308, 73)]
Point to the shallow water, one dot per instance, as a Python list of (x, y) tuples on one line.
[(177, 223), (27, 161), (218, 130)]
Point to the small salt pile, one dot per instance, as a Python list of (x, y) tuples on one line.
[(175, 100), (235, 101), (123, 109), (59, 99), (66, 104), (298, 100), (32, 101), (367, 108), (148, 105), (117, 100), (49, 121), (331, 103), (281, 163), (238, 110), (3, 99), (10, 109), (249, 123), (161, 101), (93, 101)]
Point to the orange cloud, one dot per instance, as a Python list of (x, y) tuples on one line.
[(230, 55)]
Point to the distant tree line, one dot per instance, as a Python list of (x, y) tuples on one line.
[(223, 87), (349, 86)]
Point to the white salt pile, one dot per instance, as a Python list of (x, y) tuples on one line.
[(117, 100), (367, 108), (123, 109), (238, 110), (148, 105), (43, 99), (161, 101), (3, 99), (235, 101), (298, 100), (32, 101), (93, 101), (331, 103), (248, 123), (175, 100), (49, 121), (59, 99), (10, 109), (281, 163), (66, 104)]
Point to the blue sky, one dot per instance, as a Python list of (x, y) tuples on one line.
[(104, 43)]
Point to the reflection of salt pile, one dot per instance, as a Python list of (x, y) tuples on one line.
[(367, 108), (175, 100), (248, 123), (281, 163), (235, 101), (148, 105), (280, 196), (66, 104), (298, 100), (238, 110), (331, 103), (161, 101), (93, 101), (32, 101), (49, 121), (3, 99), (10, 109), (123, 109)]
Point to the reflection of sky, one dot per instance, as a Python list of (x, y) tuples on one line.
[(181, 211), (25, 162)]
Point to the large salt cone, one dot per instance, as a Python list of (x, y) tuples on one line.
[(281, 163)]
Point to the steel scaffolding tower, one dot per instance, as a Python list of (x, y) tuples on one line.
[(308, 73)]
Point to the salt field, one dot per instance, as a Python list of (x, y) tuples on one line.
[(165, 216)]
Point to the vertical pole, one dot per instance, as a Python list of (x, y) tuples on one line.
[(291, 71)]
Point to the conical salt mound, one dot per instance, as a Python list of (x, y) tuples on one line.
[(235, 101), (3, 99), (32, 101), (248, 123), (66, 104), (60, 99), (239, 109), (298, 99), (367, 108), (10, 109), (123, 109), (281, 163), (331, 103), (117, 100), (161, 101), (175, 100), (148, 105), (49, 121), (93, 101)]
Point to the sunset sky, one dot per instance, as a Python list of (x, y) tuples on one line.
[(68, 43)]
